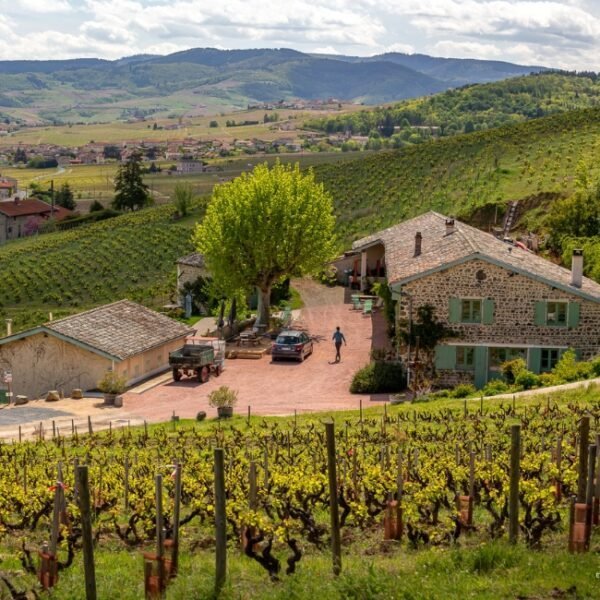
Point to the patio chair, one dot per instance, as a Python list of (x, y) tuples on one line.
[(356, 305), (368, 307)]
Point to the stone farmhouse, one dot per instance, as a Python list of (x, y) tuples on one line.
[(76, 352), (501, 301), (8, 187), (19, 218)]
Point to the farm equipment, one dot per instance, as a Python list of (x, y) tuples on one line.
[(198, 358)]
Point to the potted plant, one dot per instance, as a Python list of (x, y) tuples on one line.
[(111, 385), (223, 399)]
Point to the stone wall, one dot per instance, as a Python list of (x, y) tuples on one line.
[(514, 297), (188, 274)]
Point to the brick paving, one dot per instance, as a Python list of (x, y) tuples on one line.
[(276, 388)]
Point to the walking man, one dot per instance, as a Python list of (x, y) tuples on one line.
[(338, 338)]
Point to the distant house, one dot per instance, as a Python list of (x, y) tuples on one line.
[(501, 301), (189, 165), (19, 218), (76, 352), (8, 187), (189, 268)]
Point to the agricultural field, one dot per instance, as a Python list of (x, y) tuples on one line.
[(191, 127), (74, 270), (466, 173), (406, 461)]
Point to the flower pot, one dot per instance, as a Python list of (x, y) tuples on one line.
[(109, 399), (224, 412)]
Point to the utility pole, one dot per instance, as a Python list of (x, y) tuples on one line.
[(52, 197)]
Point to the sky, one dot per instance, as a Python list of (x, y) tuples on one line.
[(555, 33)]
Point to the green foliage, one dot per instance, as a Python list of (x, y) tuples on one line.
[(131, 193), (112, 383), (568, 368), (378, 377), (389, 305), (462, 390), (183, 197), (265, 226), (512, 368), (96, 206), (494, 387), (527, 379), (222, 397), (429, 330), (65, 198)]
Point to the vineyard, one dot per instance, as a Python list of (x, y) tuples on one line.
[(461, 174), (428, 488), (129, 256)]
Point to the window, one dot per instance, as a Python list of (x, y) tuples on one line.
[(465, 358), (470, 311), (556, 313), (549, 359), (501, 355)]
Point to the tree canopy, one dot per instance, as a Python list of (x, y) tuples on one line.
[(264, 226), (131, 193)]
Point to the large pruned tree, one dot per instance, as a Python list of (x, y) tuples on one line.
[(265, 226), (131, 193)]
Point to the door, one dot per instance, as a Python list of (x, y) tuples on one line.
[(481, 366)]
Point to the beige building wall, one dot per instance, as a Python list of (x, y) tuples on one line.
[(40, 363), (188, 274), (148, 363)]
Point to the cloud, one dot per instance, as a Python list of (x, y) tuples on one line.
[(45, 6)]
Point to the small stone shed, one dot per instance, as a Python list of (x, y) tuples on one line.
[(76, 352), (189, 268)]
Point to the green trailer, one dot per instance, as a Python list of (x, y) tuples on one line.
[(194, 360)]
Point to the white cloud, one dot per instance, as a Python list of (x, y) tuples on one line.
[(402, 48), (45, 6)]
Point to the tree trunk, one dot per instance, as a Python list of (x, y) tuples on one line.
[(263, 310)]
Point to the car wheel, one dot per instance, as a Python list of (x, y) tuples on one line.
[(301, 357)]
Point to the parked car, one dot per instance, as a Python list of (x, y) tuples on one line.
[(292, 344)]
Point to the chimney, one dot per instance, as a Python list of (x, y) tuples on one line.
[(418, 240), (577, 268), (450, 226), (8, 327)]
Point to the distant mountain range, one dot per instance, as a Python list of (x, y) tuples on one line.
[(94, 89)]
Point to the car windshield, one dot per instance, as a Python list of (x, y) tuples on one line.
[(287, 339)]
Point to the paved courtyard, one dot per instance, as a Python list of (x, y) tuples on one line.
[(317, 384)]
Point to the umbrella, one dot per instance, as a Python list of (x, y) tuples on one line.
[(221, 320), (232, 311)]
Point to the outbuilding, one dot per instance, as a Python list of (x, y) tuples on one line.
[(75, 352)]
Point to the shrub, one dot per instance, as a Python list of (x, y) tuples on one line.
[(569, 369), (512, 368), (112, 383), (378, 377), (222, 396), (527, 380), (495, 386), (462, 390), (547, 379), (595, 366)]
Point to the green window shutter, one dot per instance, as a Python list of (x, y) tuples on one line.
[(454, 310), (540, 313), (487, 312), (573, 314), (535, 359), (445, 357)]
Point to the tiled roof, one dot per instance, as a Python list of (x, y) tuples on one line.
[(121, 329), (193, 260), (439, 249), (32, 206)]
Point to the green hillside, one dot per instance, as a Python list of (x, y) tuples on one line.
[(129, 256), (461, 174), (475, 107)]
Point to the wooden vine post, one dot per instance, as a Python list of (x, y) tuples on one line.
[(515, 467), (83, 498), (336, 546), (465, 503), (48, 573), (154, 564), (558, 480), (248, 531), (392, 520), (174, 542), (584, 434), (220, 523)]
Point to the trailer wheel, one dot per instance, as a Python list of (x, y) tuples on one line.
[(218, 370), (203, 374), (176, 374)]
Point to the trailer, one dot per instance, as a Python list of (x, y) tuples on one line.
[(199, 357)]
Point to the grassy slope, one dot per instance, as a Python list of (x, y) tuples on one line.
[(371, 570), (460, 174)]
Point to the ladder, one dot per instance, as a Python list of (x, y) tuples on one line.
[(511, 215)]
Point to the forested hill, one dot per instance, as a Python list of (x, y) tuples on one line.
[(535, 161), (473, 107), (81, 89)]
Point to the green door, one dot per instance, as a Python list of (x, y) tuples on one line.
[(481, 366), (3, 397)]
